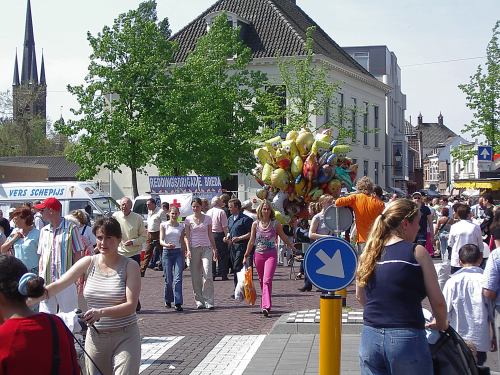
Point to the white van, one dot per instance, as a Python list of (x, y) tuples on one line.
[(73, 195), (182, 201)]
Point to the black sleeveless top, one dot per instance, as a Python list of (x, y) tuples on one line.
[(396, 289)]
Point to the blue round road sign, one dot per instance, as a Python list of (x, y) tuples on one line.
[(330, 263)]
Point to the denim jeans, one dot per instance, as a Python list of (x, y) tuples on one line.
[(443, 247), (173, 266), (394, 351)]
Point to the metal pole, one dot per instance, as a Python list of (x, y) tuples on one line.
[(330, 331), (342, 292)]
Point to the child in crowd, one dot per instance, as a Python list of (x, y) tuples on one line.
[(468, 311)]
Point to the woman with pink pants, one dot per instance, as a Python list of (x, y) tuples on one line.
[(264, 235)]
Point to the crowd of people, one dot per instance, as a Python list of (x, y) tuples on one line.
[(49, 260)]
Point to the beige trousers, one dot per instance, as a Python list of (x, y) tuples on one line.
[(201, 276), (117, 352)]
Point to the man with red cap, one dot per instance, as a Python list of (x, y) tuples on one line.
[(59, 247)]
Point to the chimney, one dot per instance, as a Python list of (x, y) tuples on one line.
[(440, 119), (420, 119)]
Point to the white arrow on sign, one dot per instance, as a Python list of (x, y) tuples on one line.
[(332, 266), (485, 154)]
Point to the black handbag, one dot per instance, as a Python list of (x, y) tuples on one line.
[(452, 356)]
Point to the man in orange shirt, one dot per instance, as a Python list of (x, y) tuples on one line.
[(366, 209)]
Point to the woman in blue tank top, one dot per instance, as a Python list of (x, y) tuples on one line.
[(393, 277)]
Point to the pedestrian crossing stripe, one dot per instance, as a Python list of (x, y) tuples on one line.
[(152, 348), (230, 356)]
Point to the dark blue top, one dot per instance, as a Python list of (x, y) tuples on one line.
[(239, 226), (395, 290)]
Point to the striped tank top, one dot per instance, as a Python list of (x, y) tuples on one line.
[(105, 290)]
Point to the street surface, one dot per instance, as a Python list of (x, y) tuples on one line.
[(235, 338)]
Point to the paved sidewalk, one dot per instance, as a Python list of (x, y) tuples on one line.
[(283, 354)]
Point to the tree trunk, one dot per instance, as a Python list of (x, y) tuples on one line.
[(134, 181)]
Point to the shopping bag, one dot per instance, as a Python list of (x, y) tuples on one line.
[(239, 291), (250, 294)]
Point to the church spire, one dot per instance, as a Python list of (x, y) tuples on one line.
[(29, 56), (42, 72), (15, 80)]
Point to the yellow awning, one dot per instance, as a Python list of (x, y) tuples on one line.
[(493, 185)]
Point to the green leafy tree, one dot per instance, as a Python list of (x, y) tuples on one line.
[(311, 93), (210, 115), (483, 98), (126, 79)]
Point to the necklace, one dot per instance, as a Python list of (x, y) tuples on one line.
[(265, 227), (197, 220)]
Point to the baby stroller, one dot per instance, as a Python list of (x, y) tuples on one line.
[(452, 356)]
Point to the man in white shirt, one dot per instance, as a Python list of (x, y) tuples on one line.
[(133, 232), (219, 231), (468, 310), (153, 253), (462, 233)]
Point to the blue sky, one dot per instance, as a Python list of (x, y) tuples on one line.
[(417, 31)]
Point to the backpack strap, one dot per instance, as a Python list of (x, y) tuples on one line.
[(56, 353)]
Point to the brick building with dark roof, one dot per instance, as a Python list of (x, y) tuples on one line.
[(434, 134)]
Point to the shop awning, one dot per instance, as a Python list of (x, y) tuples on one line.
[(477, 184)]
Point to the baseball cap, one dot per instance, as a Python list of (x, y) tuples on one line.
[(51, 202)]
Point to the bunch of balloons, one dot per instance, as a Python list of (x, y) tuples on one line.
[(300, 169)]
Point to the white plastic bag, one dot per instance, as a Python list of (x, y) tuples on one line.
[(239, 291)]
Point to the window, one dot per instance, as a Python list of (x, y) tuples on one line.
[(354, 161), (341, 109), (354, 124), (365, 168), (327, 110), (363, 58), (375, 125), (365, 125), (280, 92), (376, 172)]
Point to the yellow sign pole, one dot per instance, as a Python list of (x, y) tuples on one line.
[(330, 331)]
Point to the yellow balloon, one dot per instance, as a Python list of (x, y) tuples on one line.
[(273, 144), (320, 147), (297, 166), (304, 142), (290, 147), (263, 156), (283, 219), (292, 135), (280, 179), (267, 171)]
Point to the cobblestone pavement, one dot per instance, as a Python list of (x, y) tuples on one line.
[(221, 341), (230, 317)]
